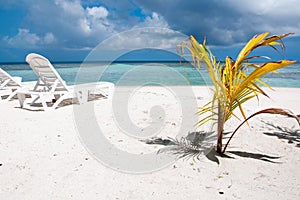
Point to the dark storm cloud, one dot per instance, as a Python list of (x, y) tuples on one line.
[(226, 21)]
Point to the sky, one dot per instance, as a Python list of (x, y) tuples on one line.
[(68, 30)]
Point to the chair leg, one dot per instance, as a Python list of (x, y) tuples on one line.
[(21, 98), (60, 99), (35, 98), (111, 90), (44, 102), (82, 95), (12, 95)]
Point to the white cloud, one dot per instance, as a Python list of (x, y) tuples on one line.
[(74, 16), (25, 39), (97, 12), (76, 26), (49, 38), (97, 20), (73, 8), (154, 20), (140, 38), (83, 22), (85, 26)]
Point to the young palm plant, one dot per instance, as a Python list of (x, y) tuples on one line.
[(233, 83)]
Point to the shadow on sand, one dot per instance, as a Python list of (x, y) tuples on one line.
[(191, 147), (213, 156), (257, 156), (291, 135)]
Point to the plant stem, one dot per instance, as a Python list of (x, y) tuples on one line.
[(278, 111), (233, 134), (220, 127)]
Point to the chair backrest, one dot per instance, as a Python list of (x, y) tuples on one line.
[(49, 79), (8, 81)]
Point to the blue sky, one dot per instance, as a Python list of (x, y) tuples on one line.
[(67, 30)]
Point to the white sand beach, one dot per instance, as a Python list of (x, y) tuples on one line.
[(43, 157)]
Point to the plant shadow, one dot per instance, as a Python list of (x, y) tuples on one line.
[(291, 135), (257, 156), (193, 146), (213, 156)]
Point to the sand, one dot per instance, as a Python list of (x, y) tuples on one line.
[(43, 156)]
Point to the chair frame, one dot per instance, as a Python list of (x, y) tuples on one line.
[(10, 85), (50, 87)]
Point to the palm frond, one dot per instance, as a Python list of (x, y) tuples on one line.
[(233, 84)]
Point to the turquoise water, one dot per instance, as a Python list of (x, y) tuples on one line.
[(145, 73)]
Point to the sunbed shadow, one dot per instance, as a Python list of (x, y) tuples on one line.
[(64, 103), (290, 134), (39, 108)]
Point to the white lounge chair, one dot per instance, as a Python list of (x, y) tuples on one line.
[(10, 85), (51, 89)]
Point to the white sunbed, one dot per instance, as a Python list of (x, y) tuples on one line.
[(10, 85), (51, 89)]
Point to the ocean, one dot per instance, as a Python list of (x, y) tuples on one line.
[(131, 73)]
